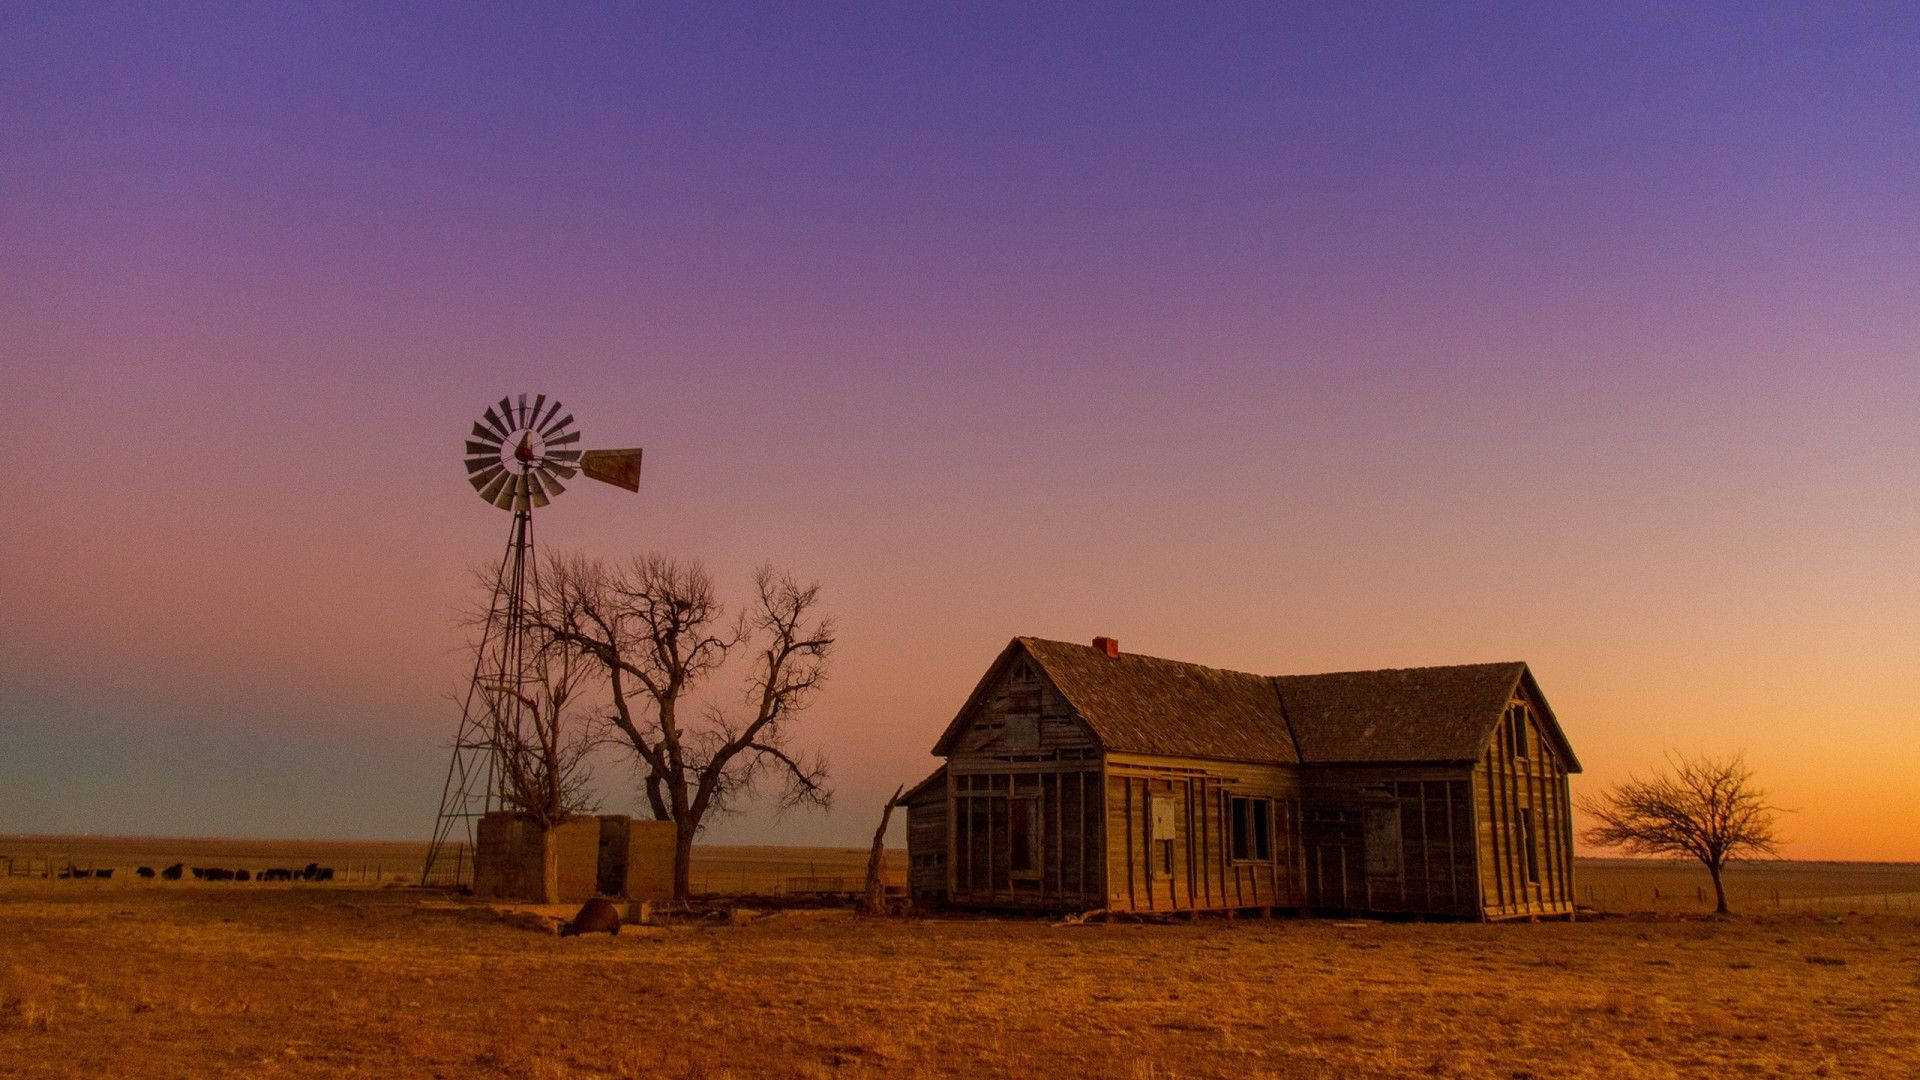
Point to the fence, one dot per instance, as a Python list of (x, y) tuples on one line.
[(1622, 898)]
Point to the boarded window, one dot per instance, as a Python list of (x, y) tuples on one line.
[(1023, 732), (1382, 824), (1520, 731), (1160, 827), (1252, 829)]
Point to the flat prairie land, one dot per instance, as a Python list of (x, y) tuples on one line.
[(129, 978), (377, 862)]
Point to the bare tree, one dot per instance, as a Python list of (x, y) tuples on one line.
[(658, 630), (1705, 807), (874, 900), (539, 737), (543, 759)]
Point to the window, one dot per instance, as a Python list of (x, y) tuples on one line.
[(1516, 734), (1020, 853), (1251, 829), (1163, 857), (1526, 845)]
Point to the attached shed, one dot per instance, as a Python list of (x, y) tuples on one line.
[(1078, 777)]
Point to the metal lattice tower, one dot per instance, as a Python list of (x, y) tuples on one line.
[(516, 457)]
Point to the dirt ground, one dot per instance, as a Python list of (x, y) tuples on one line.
[(156, 979)]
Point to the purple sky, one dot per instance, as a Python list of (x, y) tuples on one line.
[(1283, 342)]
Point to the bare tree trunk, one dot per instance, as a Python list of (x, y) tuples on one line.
[(1719, 891), (875, 901), (549, 867), (683, 862)]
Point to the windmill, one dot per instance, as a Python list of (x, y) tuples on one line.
[(517, 457)]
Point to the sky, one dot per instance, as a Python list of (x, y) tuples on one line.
[(1280, 338)]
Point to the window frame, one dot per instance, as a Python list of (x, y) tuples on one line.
[(1243, 834)]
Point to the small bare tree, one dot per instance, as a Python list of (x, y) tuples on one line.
[(543, 759), (1705, 807), (657, 629), (538, 737)]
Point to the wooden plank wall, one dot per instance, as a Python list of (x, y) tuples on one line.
[(927, 843), (1416, 855), (1064, 812), (1504, 787), (1204, 875)]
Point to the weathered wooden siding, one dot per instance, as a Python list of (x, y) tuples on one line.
[(927, 843), (1524, 822), (1182, 859), (1391, 838), (1025, 772)]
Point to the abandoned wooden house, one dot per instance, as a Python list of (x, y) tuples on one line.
[(1082, 777)]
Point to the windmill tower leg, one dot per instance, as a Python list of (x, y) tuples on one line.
[(474, 777)]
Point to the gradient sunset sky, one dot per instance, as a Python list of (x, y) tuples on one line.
[(1322, 340)]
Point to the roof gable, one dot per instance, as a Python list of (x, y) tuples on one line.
[(1143, 704)]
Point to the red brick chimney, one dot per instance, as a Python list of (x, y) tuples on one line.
[(1110, 646)]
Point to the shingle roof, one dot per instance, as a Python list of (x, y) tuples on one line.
[(1401, 714), (1143, 704)]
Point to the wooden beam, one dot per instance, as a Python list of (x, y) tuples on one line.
[(953, 838), (1133, 902), (1080, 789), (1192, 840)]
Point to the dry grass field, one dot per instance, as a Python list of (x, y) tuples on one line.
[(130, 978)]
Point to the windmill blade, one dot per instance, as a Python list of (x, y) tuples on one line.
[(515, 496), (555, 408), (475, 464), (497, 422), (537, 490), (486, 435), (549, 468), (621, 468), (483, 447), (556, 427), (564, 440), (481, 479), (525, 420), (533, 414), (496, 486), (563, 455), (506, 415)]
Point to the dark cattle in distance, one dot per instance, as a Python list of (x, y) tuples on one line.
[(172, 873), (145, 871), (104, 873), (278, 873), (242, 875)]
